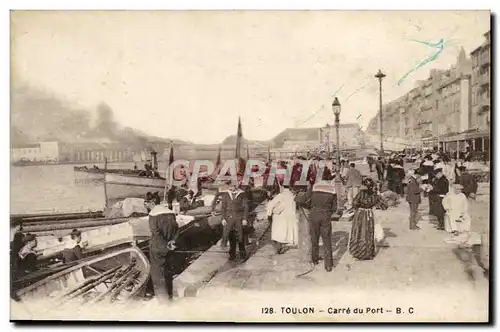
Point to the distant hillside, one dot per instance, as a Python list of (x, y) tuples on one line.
[(232, 140), (39, 116)]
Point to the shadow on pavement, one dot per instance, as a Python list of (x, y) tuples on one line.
[(340, 240), (468, 257), (389, 233)]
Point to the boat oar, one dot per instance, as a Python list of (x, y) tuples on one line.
[(88, 284), (113, 286), (131, 277)]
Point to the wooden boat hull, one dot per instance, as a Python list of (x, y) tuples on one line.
[(52, 289), (86, 175), (119, 187)]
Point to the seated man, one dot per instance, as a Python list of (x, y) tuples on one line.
[(74, 248), (27, 256)]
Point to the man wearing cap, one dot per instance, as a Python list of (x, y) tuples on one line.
[(235, 209), (164, 232), (440, 188), (413, 198), (323, 201)]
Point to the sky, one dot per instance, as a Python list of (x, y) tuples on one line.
[(190, 74)]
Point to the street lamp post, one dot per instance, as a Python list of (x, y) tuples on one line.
[(338, 181), (328, 140), (380, 76)]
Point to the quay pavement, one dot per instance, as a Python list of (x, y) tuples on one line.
[(415, 271)]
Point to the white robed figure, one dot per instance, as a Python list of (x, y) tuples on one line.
[(457, 219), (281, 211)]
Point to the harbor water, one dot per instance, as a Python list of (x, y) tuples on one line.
[(52, 188)]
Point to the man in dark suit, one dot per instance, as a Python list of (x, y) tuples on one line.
[(413, 197), (440, 189), (235, 210)]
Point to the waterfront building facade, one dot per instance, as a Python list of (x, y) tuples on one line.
[(450, 109), (35, 152)]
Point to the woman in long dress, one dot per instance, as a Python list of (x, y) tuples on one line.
[(284, 227), (362, 243)]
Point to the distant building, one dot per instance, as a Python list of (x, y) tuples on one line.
[(481, 85), (449, 109), (305, 139), (90, 152), (36, 152)]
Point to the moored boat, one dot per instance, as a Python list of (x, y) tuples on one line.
[(84, 174), (115, 277), (119, 187)]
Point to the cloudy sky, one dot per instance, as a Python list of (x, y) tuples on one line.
[(189, 75)]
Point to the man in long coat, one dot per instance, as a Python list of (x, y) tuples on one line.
[(413, 197), (281, 210), (440, 188), (323, 201), (235, 210), (164, 231)]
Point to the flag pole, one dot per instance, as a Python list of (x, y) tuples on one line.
[(105, 187), (167, 173)]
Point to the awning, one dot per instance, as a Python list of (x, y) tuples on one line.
[(465, 136)]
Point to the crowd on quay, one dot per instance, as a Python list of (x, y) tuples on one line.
[(442, 180), (287, 199)]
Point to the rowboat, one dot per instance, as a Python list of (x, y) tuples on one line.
[(115, 277)]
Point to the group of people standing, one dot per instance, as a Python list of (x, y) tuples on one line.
[(448, 186), (320, 199)]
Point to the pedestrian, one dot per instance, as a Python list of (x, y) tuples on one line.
[(353, 184), (390, 175), (440, 187), (413, 197), (379, 168), (235, 209), (449, 170), (468, 182), (362, 242), (398, 176), (164, 232), (370, 161), (284, 223), (457, 218), (323, 201)]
